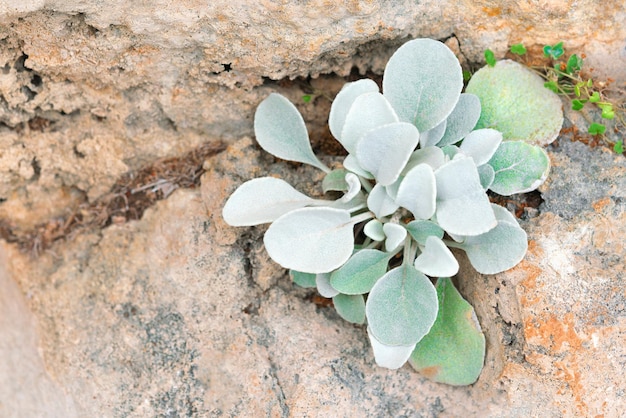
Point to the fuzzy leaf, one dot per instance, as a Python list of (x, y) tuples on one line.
[(432, 136), (420, 230), (335, 181), (497, 250), (359, 274), (402, 307), (369, 111), (481, 144), (350, 307), (389, 356), (519, 168), (324, 288), (450, 151), (515, 102), (354, 187), (343, 102), (462, 119), (311, 240), (395, 236), (433, 156), (418, 193), (462, 205), (305, 280), (453, 352), (385, 150), (487, 175), (351, 164), (280, 130), (262, 200), (423, 81), (374, 230), (436, 260), (379, 202)]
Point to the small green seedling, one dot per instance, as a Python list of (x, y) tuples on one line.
[(414, 185), (490, 57)]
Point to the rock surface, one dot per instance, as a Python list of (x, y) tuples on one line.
[(179, 314), (91, 89)]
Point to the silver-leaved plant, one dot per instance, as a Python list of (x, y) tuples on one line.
[(416, 178)]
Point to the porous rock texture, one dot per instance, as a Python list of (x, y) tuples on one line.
[(178, 314), (90, 89)]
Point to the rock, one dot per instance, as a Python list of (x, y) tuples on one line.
[(179, 314)]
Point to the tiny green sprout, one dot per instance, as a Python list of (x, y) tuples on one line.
[(490, 57), (596, 129), (619, 147), (414, 185), (307, 98), (518, 49), (552, 85), (553, 51), (595, 97), (574, 63), (467, 75), (607, 110), (578, 104)]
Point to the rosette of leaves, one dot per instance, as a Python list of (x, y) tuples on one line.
[(415, 182)]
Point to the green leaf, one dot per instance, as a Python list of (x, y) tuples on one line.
[(552, 86), (350, 307), (574, 63), (421, 229), (607, 110), (335, 181), (596, 129), (280, 130), (619, 147), (436, 260), (402, 307), (305, 280), (262, 200), (307, 98), (518, 49), (515, 103), (519, 167), (467, 75), (595, 97), (578, 104), (422, 81), (553, 51), (311, 240), (462, 205), (490, 58), (359, 274), (453, 352), (385, 150), (487, 175), (497, 250)]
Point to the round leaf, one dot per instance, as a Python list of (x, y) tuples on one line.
[(385, 150), (402, 307), (280, 130), (395, 236), (368, 111), (374, 230), (497, 250), (379, 202), (515, 102), (453, 352), (262, 200), (519, 168), (420, 230), (487, 175), (335, 181), (390, 356), (462, 120), (359, 274), (423, 81), (463, 207), (350, 307), (343, 102), (481, 144), (436, 260), (311, 240), (305, 280), (418, 193), (324, 288), (432, 136)]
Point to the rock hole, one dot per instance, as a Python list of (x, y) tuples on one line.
[(20, 64), (30, 95), (36, 168), (36, 80)]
